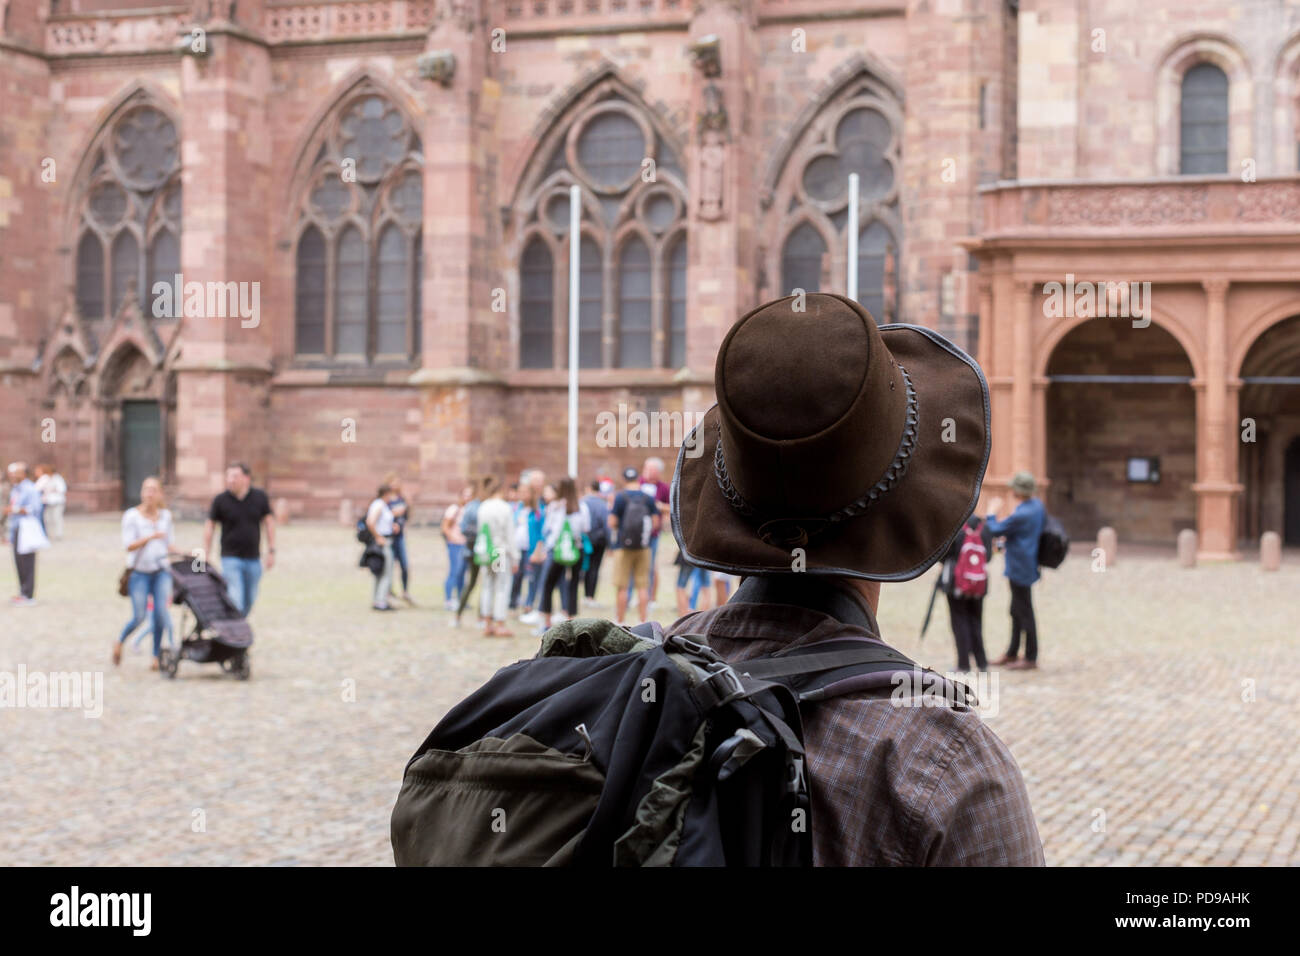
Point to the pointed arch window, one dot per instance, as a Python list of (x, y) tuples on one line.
[(359, 251), (802, 260), (537, 281), (632, 275), (635, 304), (129, 226), (859, 131), (677, 304)]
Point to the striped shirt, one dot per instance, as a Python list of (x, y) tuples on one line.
[(891, 786)]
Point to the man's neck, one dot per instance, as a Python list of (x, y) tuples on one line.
[(816, 593)]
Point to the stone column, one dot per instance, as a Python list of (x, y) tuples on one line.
[(1216, 484), (1039, 455), (464, 344), (723, 166), (999, 327), (223, 375), (984, 346), (1022, 380)]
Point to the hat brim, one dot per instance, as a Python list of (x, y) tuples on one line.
[(906, 530)]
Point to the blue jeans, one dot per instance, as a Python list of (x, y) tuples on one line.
[(139, 587), (242, 576), (398, 542), (455, 570)]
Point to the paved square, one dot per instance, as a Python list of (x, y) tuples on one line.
[(1160, 729)]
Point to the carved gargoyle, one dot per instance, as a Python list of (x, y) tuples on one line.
[(437, 65)]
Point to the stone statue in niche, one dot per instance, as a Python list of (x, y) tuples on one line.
[(712, 127)]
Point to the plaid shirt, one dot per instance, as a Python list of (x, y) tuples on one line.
[(891, 786)]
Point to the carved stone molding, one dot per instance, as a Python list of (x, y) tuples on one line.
[(1122, 206)]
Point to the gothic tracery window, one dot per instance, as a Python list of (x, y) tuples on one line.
[(358, 254), (859, 132), (632, 270), (130, 223)]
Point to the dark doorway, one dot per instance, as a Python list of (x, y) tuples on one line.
[(1291, 493), (141, 447)]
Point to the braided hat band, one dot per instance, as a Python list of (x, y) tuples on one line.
[(795, 532)]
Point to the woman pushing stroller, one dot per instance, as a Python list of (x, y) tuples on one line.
[(147, 534)]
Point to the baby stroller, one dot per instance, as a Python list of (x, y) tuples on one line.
[(219, 634)]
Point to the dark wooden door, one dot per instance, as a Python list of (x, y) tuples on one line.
[(141, 447), (1291, 494)]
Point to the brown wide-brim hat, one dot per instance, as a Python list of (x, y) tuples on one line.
[(836, 447)]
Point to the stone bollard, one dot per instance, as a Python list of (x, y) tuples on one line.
[(1187, 548), (1270, 551), (1108, 541), (281, 510), (345, 512)]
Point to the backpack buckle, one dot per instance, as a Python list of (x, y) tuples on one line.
[(724, 683), (798, 782), (691, 647)]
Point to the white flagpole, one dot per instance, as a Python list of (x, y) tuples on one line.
[(851, 286), (575, 244)]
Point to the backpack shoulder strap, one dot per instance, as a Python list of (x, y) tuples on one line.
[(848, 665)]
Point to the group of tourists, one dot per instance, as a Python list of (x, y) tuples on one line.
[(539, 538)]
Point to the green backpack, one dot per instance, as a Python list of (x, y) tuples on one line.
[(566, 550), (485, 552)]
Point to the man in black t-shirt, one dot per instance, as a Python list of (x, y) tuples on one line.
[(242, 511)]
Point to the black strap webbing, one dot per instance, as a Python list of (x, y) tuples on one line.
[(814, 663)]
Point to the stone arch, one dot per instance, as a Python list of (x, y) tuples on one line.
[(1286, 107), (612, 208), (1116, 398), (316, 128), (861, 66), (127, 370), (1271, 499), (386, 191), (1255, 327), (1165, 320), (136, 92), (66, 372), (858, 87), (601, 82), (1179, 57)]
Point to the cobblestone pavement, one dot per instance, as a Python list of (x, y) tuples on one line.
[(1159, 729)]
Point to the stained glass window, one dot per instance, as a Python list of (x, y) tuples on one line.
[(537, 330), (801, 260), (631, 291), (361, 225), (309, 305), (134, 185)]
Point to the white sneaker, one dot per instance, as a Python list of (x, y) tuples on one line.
[(650, 606), (532, 617), (559, 617), (24, 602), (450, 606)]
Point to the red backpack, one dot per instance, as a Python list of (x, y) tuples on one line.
[(970, 578)]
